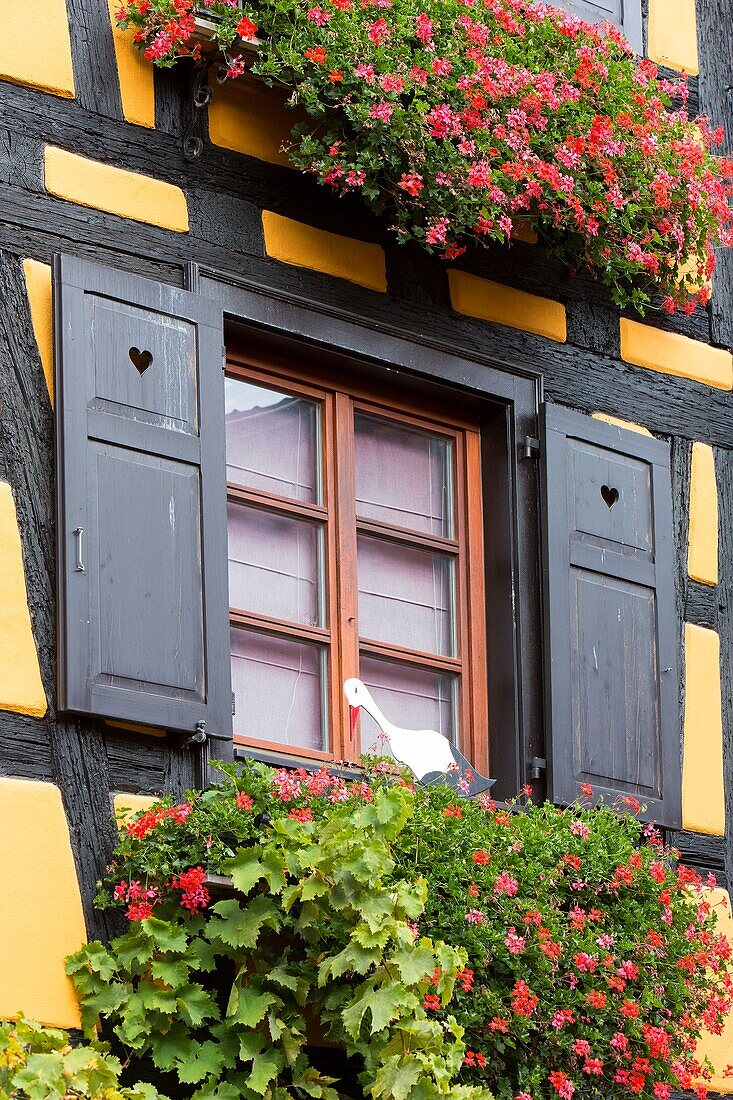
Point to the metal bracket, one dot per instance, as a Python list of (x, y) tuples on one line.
[(201, 96), (199, 737), (537, 765), (531, 447)]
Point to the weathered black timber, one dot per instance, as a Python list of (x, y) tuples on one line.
[(96, 81), (704, 853), (681, 471), (715, 48), (24, 747), (724, 472), (701, 605)]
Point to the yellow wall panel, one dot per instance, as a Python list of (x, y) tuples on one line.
[(35, 48), (503, 305), (671, 353), (38, 285), (703, 809), (719, 1048), (21, 688), (673, 34), (115, 190), (293, 242), (248, 117), (137, 88), (42, 918), (702, 558), (618, 423)]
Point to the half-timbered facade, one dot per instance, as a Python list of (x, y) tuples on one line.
[(250, 447)]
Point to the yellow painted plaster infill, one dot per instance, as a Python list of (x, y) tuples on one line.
[(505, 306), (21, 689), (702, 758), (719, 1048), (248, 117), (115, 190), (671, 353), (134, 727), (293, 242), (35, 48), (702, 558), (42, 918), (38, 285), (618, 423), (673, 34), (125, 805), (135, 73)]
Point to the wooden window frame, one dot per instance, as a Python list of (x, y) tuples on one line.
[(340, 400), (497, 381)]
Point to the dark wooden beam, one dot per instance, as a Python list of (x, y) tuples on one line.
[(724, 471), (715, 49), (96, 78)]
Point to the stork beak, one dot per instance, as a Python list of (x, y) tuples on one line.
[(353, 717)]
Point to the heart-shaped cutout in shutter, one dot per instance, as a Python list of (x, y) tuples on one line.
[(610, 495), (141, 359)]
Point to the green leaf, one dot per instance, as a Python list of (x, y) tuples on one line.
[(251, 1044), (196, 1005), (173, 972), (203, 1060), (250, 1007), (353, 959), (246, 869), (107, 999), (165, 935), (397, 1077), (414, 963), (264, 1070), (172, 1047), (240, 926), (282, 977)]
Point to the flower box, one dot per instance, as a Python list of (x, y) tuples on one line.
[(205, 35)]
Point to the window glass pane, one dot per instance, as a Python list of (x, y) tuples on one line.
[(279, 690), (273, 441), (403, 476), (406, 596), (413, 698), (275, 565)]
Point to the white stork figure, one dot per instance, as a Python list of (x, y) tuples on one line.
[(427, 753)]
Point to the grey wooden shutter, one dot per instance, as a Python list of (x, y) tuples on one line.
[(142, 550), (624, 14), (610, 614)]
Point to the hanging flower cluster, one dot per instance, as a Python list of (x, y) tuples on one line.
[(455, 118)]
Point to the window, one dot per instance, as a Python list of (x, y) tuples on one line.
[(624, 14), (362, 522), (351, 551)]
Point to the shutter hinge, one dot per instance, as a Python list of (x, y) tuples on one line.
[(198, 737), (537, 765), (531, 447), (234, 704), (201, 735), (223, 357)]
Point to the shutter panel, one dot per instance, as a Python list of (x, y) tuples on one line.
[(611, 619), (624, 14), (142, 550)]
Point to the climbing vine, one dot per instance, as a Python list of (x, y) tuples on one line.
[(452, 948), (453, 118)]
